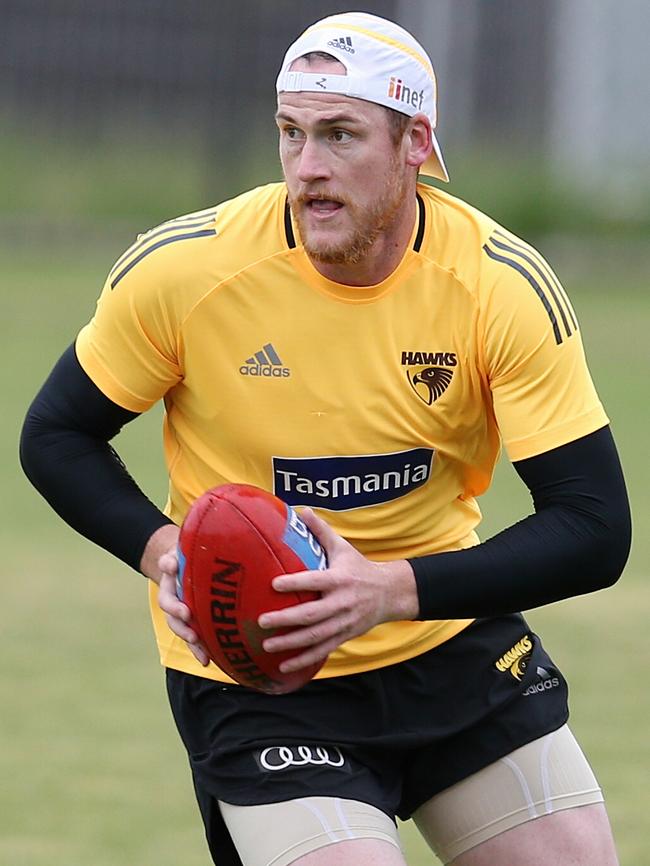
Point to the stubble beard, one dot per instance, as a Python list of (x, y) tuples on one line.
[(368, 224)]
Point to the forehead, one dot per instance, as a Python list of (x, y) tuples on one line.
[(320, 107), (317, 107)]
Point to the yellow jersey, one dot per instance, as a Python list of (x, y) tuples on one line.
[(383, 407)]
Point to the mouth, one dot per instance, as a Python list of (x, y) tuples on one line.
[(322, 208)]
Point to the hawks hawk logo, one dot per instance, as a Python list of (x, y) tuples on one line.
[(433, 376), (430, 383)]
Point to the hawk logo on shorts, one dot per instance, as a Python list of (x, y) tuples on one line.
[(432, 374), (516, 659)]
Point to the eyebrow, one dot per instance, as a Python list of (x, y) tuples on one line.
[(330, 120)]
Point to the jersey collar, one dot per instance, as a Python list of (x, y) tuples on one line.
[(417, 243)]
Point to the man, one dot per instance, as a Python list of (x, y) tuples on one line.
[(359, 343)]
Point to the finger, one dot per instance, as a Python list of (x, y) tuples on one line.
[(172, 606), (302, 581), (200, 654), (309, 636), (298, 614), (312, 655), (168, 563), (191, 638), (182, 629), (178, 616), (321, 529), (169, 602)]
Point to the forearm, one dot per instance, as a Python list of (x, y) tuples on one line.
[(536, 562), (66, 455), (576, 542)]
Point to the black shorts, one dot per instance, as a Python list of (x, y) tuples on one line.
[(392, 737)]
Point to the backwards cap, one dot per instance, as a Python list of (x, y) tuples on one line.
[(384, 64)]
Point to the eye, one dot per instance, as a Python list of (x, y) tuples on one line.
[(292, 133), (340, 136)]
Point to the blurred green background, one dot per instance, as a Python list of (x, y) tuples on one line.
[(92, 769)]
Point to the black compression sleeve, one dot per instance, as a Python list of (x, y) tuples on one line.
[(577, 541), (65, 453)]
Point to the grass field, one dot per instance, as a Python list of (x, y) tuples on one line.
[(92, 771)]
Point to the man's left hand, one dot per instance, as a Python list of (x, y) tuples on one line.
[(356, 594)]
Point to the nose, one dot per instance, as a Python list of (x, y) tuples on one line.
[(312, 162)]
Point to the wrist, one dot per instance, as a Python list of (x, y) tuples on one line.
[(401, 590), (160, 542)]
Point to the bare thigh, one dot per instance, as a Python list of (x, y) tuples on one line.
[(575, 837)]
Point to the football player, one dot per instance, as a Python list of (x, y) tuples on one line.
[(361, 344)]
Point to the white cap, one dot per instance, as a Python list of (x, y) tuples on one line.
[(384, 64)]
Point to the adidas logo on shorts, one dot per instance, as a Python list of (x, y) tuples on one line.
[(546, 682)]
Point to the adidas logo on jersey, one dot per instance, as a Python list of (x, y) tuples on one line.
[(265, 363), (344, 43)]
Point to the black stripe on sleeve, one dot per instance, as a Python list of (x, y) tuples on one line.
[(546, 268), (143, 240), (184, 237), (549, 279), (519, 267)]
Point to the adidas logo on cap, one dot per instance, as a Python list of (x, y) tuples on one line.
[(343, 43), (265, 363)]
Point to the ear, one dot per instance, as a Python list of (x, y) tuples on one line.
[(417, 140)]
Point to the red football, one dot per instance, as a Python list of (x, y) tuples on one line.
[(234, 540)]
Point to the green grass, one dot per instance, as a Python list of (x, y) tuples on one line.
[(92, 770), (126, 169)]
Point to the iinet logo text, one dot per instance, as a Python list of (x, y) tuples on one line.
[(402, 93)]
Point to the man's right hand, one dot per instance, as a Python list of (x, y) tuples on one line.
[(160, 564)]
